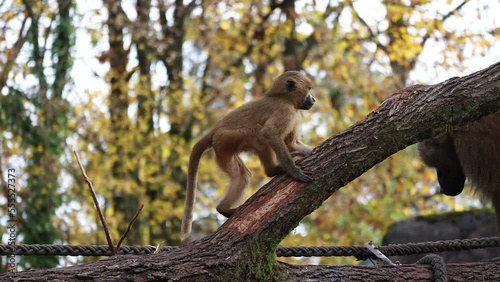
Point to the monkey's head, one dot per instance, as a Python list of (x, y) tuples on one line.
[(293, 86), (440, 153)]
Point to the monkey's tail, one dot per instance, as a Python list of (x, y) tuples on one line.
[(194, 160)]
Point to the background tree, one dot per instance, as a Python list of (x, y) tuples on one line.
[(34, 113)]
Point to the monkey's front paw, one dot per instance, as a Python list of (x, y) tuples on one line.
[(274, 171), (297, 154), (305, 176)]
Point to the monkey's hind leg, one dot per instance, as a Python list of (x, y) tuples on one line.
[(269, 161), (239, 180)]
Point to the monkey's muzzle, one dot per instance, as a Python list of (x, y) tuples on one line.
[(308, 102)]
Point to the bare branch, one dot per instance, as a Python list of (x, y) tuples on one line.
[(128, 229), (96, 203)]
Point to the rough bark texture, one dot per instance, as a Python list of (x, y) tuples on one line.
[(243, 248), (406, 272)]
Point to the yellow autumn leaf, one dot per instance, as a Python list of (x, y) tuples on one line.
[(225, 25)]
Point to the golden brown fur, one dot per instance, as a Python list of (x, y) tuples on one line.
[(268, 127), (472, 151)]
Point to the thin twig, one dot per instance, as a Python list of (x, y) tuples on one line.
[(158, 248), (96, 203), (128, 228)]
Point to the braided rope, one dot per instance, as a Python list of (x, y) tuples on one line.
[(75, 250), (438, 266), (360, 252)]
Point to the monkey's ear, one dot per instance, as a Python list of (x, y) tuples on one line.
[(290, 85)]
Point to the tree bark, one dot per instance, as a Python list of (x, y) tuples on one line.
[(243, 249)]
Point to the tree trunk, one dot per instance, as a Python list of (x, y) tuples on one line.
[(243, 249)]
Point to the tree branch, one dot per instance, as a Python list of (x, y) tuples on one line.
[(411, 115), (243, 248), (451, 13)]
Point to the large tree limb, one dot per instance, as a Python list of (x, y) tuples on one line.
[(243, 248)]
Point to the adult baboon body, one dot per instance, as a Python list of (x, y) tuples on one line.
[(472, 152)]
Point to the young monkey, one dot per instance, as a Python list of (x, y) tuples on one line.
[(268, 127), (473, 152)]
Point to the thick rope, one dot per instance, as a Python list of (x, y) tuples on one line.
[(438, 266), (360, 252)]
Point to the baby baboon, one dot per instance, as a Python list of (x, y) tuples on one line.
[(268, 127)]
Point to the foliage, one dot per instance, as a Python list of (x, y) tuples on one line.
[(38, 136)]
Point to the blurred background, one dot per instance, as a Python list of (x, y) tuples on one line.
[(132, 85)]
